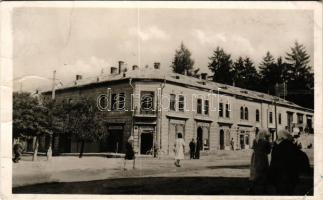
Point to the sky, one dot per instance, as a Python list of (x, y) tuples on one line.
[(88, 41)]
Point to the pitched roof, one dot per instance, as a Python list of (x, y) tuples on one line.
[(156, 74)]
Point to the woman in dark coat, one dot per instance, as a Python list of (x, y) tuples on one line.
[(283, 170), (130, 153), (259, 163)]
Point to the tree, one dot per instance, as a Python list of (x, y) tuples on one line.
[(221, 66), (182, 61), (83, 122), (301, 79), (245, 74), (30, 119)]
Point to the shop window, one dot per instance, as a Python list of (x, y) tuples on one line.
[(199, 106), (172, 102), (300, 119), (181, 103)]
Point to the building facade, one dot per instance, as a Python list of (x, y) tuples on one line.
[(153, 107)]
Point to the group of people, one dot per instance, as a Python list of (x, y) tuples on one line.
[(195, 148), (286, 164)]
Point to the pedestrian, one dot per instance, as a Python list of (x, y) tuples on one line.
[(283, 169), (179, 149), (130, 153), (156, 148), (259, 163), (232, 144), (17, 150), (192, 148), (197, 148)]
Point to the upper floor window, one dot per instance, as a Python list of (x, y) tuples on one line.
[(206, 107), (199, 106), (227, 110), (118, 101), (114, 101), (246, 113), (172, 102), (221, 110), (146, 102), (257, 115), (121, 101), (280, 118), (181, 103), (241, 113), (270, 117)]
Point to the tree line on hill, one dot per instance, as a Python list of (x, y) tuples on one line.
[(289, 76)]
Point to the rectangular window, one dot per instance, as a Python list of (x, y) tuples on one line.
[(227, 110), (147, 102), (220, 109), (270, 117), (172, 102), (121, 101), (257, 115), (206, 107), (300, 119), (114, 101), (181, 103), (199, 106), (280, 118)]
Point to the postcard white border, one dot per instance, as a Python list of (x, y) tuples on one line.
[(6, 88)]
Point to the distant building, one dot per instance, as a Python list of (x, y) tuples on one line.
[(212, 112)]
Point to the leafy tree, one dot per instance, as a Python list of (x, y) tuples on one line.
[(82, 121), (182, 61), (221, 66), (30, 118)]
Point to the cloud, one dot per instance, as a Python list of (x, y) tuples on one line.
[(231, 42), (150, 33)]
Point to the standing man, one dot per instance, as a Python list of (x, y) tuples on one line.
[(232, 144), (192, 148), (17, 150)]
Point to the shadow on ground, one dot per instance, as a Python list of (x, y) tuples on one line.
[(158, 186)]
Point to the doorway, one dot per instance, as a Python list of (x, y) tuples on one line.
[(242, 144), (199, 138), (114, 141), (146, 142), (221, 139)]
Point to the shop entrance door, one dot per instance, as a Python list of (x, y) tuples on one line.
[(146, 143)]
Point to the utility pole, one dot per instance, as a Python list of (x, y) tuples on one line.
[(275, 104), (50, 151)]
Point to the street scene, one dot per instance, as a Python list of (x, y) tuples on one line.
[(220, 174), (163, 101)]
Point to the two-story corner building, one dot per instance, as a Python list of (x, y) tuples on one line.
[(154, 106)]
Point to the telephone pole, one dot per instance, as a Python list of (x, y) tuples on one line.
[(50, 151)]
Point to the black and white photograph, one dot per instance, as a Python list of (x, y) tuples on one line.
[(140, 99)]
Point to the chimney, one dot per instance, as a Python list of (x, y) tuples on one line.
[(113, 70), (204, 76), (134, 67), (156, 65), (78, 77), (121, 66)]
